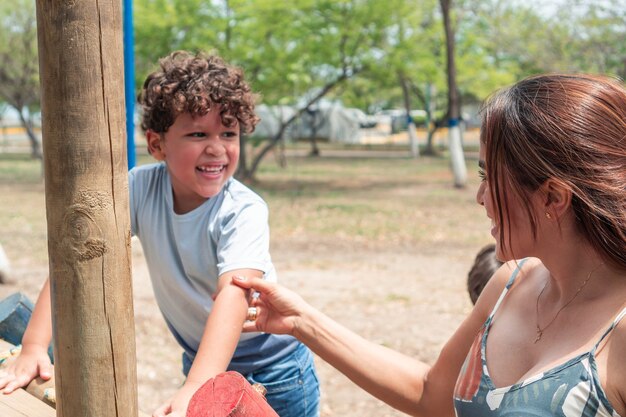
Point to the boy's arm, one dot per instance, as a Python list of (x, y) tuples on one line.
[(223, 328), (219, 340), (33, 360), (39, 330)]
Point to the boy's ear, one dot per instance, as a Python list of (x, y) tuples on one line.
[(558, 197), (155, 145)]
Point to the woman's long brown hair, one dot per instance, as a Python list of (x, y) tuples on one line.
[(569, 127)]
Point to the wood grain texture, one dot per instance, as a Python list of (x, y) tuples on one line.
[(86, 181), (21, 404)]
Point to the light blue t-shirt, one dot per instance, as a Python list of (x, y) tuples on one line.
[(186, 253)]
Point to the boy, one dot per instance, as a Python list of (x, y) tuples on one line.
[(199, 227), (485, 265)]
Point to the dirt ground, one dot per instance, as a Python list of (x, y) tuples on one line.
[(403, 299), (408, 296), (408, 301)]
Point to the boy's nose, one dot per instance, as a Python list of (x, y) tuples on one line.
[(214, 147)]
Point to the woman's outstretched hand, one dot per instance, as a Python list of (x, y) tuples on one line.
[(278, 310)]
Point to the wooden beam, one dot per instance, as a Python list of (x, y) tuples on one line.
[(21, 404), (83, 127), (37, 388)]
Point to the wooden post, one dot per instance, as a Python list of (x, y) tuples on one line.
[(82, 88)]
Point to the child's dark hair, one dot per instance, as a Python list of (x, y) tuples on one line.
[(485, 265), (188, 83)]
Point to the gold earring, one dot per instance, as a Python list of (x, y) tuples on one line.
[(548, 215)]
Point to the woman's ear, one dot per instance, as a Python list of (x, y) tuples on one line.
[(155, 145), (558, 198)]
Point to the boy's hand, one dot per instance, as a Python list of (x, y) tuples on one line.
[(32, 362), (177, 405)]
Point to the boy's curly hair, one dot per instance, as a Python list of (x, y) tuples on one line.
[(188, 83)]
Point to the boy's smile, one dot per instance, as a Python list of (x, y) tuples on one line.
[(201, 155)]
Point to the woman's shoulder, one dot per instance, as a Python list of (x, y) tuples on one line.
[(509, 275), (616, 378)]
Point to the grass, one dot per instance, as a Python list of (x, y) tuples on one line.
[(378, 200), (359, 197)]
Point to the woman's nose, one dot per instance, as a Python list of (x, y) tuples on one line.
[(480, 194)]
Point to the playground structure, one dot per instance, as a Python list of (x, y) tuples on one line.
[(228, 394), (81, 72)]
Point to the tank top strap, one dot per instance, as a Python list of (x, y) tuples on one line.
[(506, 288), (619, 317)]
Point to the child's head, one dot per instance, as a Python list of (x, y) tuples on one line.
[(559, 135), (194, 84), (485, 265), (194, 109)]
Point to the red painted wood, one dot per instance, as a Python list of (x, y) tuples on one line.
[(229, 394)]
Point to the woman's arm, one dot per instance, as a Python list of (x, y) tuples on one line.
[(400, 381)]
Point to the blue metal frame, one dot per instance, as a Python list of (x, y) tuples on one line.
[(129, 81)]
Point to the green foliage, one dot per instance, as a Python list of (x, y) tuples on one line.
[(598, 36), (293, 49), (19, 72), (290, 48)]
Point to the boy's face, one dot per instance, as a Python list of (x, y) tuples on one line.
[(201, 155)]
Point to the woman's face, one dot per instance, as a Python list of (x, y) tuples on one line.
[(512, 233)]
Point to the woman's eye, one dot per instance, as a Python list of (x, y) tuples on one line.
[(482, 175)]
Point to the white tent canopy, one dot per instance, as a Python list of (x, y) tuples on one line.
[(330, 122)]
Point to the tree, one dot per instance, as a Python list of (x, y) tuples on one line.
[(598, 38), (409, 63), (455, 144), (294, 53), (19, 72), (373, 55)]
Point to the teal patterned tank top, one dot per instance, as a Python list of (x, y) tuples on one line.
[(571, 389)]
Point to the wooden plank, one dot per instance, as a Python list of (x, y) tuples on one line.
[(36, 388), (21, 404)]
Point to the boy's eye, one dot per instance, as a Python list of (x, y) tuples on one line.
[(229, 134), (197, 135)]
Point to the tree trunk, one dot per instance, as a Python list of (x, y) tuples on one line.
[(81, 72), (242, 167), (35, 147), (316, 122), (284, 125), (410, 124), (454, 129)]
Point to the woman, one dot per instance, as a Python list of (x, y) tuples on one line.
[(546, 337)]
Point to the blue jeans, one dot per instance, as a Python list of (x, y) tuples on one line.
[(292, 386)]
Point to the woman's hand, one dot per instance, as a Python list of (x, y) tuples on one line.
[(177, 405), (279, 310), (32, 362)]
